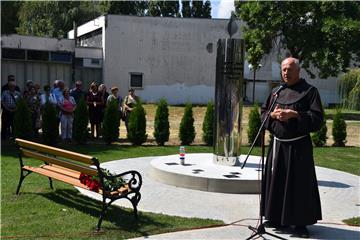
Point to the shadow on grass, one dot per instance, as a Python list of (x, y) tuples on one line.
[(122, 218)]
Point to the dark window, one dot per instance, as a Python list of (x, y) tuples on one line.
[(136, 80), (95, 61), (61, 57), (13, 53), (38, 55), (78, 62)]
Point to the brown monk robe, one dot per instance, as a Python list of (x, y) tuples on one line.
[(290, 194)]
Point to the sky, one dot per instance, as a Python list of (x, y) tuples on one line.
[(222, 8)]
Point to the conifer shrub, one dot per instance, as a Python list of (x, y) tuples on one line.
[(50, 128), (187, 129), (81, 121), (254, 125), (111, 122), (208, 125), (22, 121), (319, 137), (137, 125), (339, 130), (161, 124)]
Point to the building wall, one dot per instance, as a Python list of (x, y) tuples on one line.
[(173, 56), (37, 43), (46, 71), (176, 56)]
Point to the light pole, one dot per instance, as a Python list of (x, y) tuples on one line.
[(254, 68)]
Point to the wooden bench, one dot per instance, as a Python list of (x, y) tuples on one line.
[(66, 166)]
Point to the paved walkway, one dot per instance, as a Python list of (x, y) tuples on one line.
[(339, 197)]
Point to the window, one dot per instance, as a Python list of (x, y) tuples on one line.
[(78, 62), (61, 57), (136, 80), (13, 53), (95, 61), (91, 39), (38, 55)]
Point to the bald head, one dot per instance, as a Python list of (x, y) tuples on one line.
[(291, 60), (290, 70)]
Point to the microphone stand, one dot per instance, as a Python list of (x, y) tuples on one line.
[(260, 230)]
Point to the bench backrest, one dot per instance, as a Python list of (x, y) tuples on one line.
[(71, 160)]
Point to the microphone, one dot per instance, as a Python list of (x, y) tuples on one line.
[(282, 87)]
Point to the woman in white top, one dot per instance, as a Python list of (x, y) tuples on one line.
[(47, 97), (67, 106)]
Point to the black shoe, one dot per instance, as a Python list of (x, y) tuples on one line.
[(269, 224), (300, 232), (284, 229)]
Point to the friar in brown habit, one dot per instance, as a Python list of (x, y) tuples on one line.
[(290, 195)]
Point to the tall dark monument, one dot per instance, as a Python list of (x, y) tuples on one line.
[(228, 98)]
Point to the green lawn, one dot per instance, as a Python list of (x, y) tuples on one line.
[(40, 212), (355, 221), (347, 114)]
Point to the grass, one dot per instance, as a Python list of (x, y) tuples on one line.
[(39, 212), (343, 159), (355, 221)]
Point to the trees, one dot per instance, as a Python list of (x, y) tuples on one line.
[(50, 127), (320, 34), (136, 8), (111, 122), (319, 137), (186, 9), (22, 121), (54, 18), (137, 125), (254, 125), (81, 121), (9, 16), (206, 9), (339, 130), (161, 123), (208, 125), (350, 89), (187, 129), (154, 9), (197, 9), (164, 8)]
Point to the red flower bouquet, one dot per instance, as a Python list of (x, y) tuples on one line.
[(91, 182)]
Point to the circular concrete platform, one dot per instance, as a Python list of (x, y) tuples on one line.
[(200, 173)]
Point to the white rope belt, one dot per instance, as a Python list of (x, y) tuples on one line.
[(282, 140)]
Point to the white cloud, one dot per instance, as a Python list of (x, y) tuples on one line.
[(224, 9)]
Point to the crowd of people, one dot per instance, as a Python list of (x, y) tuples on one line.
[(65, 101)]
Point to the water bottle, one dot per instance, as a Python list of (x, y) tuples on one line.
[(182, 155)]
